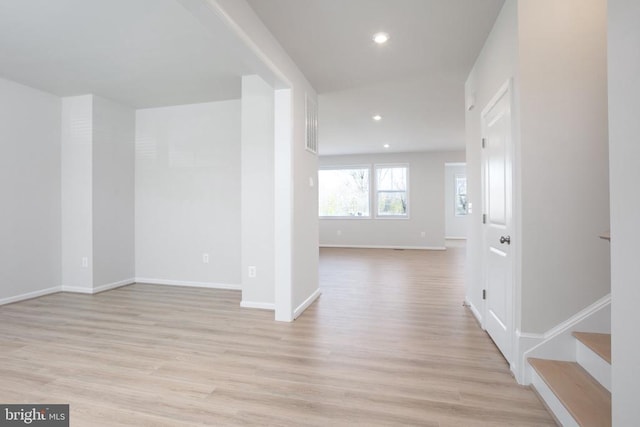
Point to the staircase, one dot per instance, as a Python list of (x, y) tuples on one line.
[(577, 393)]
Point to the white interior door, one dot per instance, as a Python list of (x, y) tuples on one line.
[(497, 156)]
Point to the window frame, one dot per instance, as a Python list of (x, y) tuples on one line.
[(370, 189), (377, 166)]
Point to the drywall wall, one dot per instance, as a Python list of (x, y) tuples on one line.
[(187, 194), (257, 188), (303, 250), (455, 226), (496, 64), (426, 205), (624, 152), (560, 168), (30, 187), (76, 163), (563, 158), (113, 193)]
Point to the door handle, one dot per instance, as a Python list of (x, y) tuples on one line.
[(506, 240)]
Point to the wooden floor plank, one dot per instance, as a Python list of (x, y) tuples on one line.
[(585, 399), (388, 343)]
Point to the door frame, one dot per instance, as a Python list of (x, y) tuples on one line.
[(513, 327)]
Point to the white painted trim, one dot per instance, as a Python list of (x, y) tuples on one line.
[(302, 307), (474, 311), (519, 367), (77, 290), (30, 295), (558, 343), (553, 403), (421, 248), (407, 191), (579, 317), (595, 365), (454, 238), (259, 305), (114, 285), (208, 285)]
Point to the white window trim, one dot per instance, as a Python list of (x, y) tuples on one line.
[(377, 166), (350, 217)]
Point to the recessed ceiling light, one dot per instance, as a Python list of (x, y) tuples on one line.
[(377, 117), (386, 146), (381, 38)]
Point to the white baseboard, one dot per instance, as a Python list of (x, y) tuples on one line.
[(208, 285), (98, 289), (420, 248), (114, 285), (109, 286), (76, 289), (558, 343), (474, 310), (259, 305), (30, 295), (302, 307)]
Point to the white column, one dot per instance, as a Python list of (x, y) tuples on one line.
[(257, 193)]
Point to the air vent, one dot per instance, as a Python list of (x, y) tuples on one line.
[(311, 125)]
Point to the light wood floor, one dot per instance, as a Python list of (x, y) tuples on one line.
[(388, 343)]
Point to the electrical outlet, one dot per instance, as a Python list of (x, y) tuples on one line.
[(205, 258), (85, 262), (252, 271)]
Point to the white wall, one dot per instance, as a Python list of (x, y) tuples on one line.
[(77, 221), (187, 194), (564, 158), (30, 187), (624, 151), (257, 201), (426, 205), (113, 192), (455, 227), (304, 165), (555, 54), (97, 194)]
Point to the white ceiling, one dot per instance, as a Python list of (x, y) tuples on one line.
[(143, 53), (415, 81)]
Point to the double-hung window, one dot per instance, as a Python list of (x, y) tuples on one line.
[(392, 191), (344, 192)]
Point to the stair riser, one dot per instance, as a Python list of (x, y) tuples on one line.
[(553, 403), (597, 367)]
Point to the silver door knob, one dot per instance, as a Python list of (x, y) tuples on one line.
[(506, 240)]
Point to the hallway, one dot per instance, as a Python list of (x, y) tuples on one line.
[(396, 320)]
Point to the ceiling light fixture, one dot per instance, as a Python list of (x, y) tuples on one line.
[(386, 146), (381, 38), (377, 117)]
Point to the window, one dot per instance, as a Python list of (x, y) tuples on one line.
[(461, 195), (391, 191), (344, 192)]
